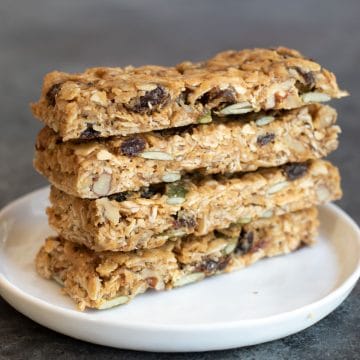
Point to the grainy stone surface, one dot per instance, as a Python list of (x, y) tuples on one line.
[(38, 36)]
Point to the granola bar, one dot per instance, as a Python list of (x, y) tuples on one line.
[(134, 220), (103, 167), (103, 102), (105, 279)]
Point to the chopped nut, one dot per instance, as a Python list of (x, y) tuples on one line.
[(171, 177), (114, 302), (315, 97), (99, 97), (294, 145), (146, 87), (188, 279), (156, 155), (102, 184), (205, 119), (277, 187), (267, 214), (323, 193), (111, 213), (234, 109), (264, 120), (103, 155)]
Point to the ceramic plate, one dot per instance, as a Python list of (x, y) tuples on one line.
[(273, 298)]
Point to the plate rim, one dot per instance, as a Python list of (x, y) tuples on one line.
[(345, 287)]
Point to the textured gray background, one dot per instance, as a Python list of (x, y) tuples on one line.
[(39, 36)]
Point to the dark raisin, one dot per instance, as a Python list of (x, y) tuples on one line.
[(265, 139), (223, 96), (210, 266), (309, 80), (149, 102), (89, 133), (245, 242), (295, 171), (119, 197), (132, 146), (147, 192), (184, 220), (52, 93)]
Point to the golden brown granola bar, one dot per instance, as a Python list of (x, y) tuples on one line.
[(103, 167), (105, 279), (103, 102), (147, 219)]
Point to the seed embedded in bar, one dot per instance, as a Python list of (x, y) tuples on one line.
[(156, 155), (315, 97), (236, 109)]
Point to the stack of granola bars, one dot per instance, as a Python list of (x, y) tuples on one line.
[(162, 176)]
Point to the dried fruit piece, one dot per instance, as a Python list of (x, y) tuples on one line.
[(132, 146), (149, 102), (245, 242), (175, 193), (315, 96), (264, 120), (309, 80), (235, 109), (220, 96), (52, 93), (265, 139), (147, 192), (156, 155), (119, 197), (102, 184), (89, 133), (211, 266), (114, 302), (188, 279), (295, 171), (184, 220)]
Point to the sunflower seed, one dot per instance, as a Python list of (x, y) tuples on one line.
[(114, 302), (315, 97), (239, 108), (188, 279), (156, 155)]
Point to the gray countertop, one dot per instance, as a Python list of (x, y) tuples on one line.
[(38, 36)]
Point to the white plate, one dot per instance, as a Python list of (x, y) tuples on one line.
[(269, 300)]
